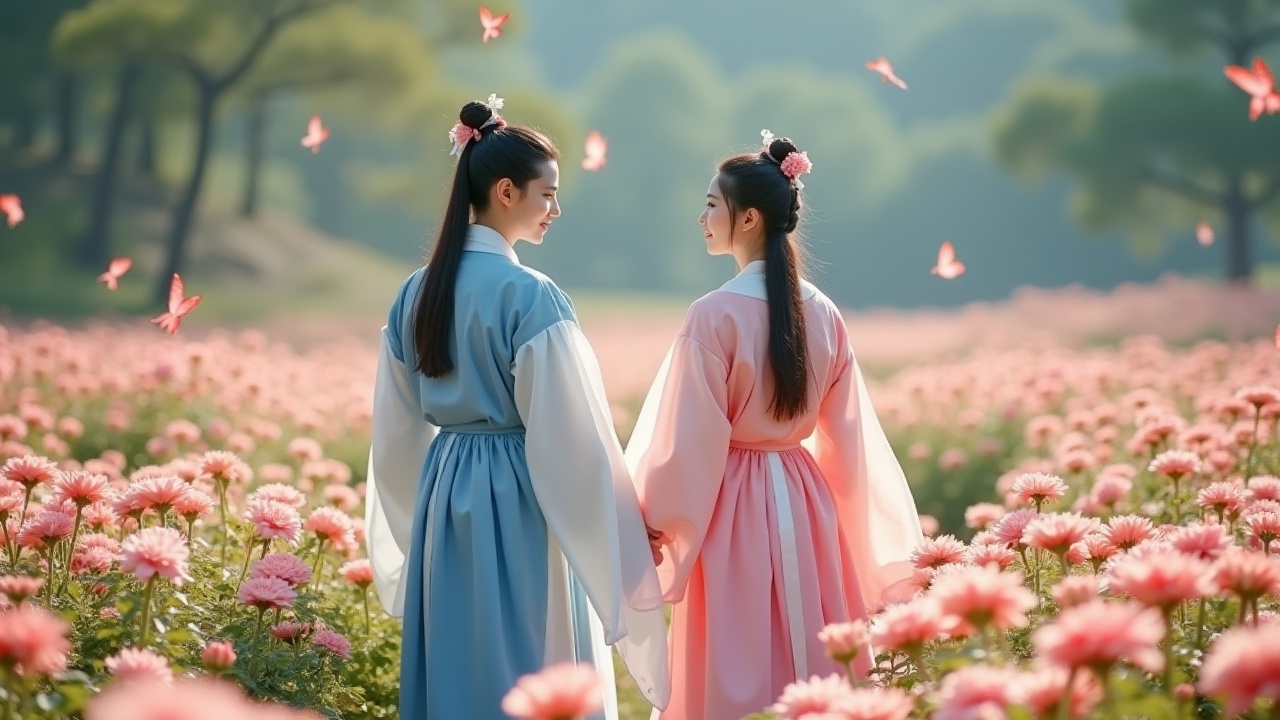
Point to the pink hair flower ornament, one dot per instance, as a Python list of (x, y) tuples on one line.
[(793, 165), (460, 134)]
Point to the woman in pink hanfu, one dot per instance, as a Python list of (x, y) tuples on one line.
[(759, 460)]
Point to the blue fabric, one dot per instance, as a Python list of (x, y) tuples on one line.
[(476, 617)]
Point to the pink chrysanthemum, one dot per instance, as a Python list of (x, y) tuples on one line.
[(222, 467), (291, 632), (279, 493), (1259, 396), (160, 493), (194, 504), (44, 529), (358, 573), (845, 641), (218, 656), (1057, 532), (1224, 498), (1247, 575), (1161, 579), (284, 566), (875, 703), (29, 470), (796, 164), (333, 642), (1243, 665), (156, 551), (304, 449), (1175, 464), (939, 551), (1125, 531), (33, 641), (908, 626), (343, 497), (1012, 526), (1263, 526), (93, 560), (1043, 689), (558, 691), (977, 691), (981, 516), (18, 588), (995, 554), (1099, 634), (266, 593), (1110, 489), (139, 665), (1264, 487), (980, 597), (1075, 590), (331, 525), (1038, 488), (1199, 540), (815, 697), (80, 487), (273, 520)]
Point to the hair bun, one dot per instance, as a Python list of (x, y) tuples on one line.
[(475, 114), (780, 148)]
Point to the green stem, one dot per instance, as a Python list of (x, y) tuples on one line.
[(1064, 705), (48, 586), (146, 609), (8, 543), (257, 636), (1168, 654), (1201, 618), (1253, 444), (315, 570), (1177, 502), (222, 513), (917, 659), (244, 569), (26, 500), (365, 597)]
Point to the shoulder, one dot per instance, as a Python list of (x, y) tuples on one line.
[(402, 307), (537, 302)]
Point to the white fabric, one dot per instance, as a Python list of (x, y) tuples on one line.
[(401, 437), (482, 238), (790, 565), (588, 500), (750, 282)]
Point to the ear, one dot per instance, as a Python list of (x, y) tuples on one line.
[(750, 220), (504, 191)]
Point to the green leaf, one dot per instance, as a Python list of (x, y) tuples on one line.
[(180, 635)]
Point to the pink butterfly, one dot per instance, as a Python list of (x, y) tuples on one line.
[(948, 267), (492, 23), (179, 307), (11, 206), (317, 133), (881, 66), (117, 268), (597, 148), (1204, 234), (1260, 85)]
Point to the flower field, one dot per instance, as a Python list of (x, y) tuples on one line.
[(182, 517)]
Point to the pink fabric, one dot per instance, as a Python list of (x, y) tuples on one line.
[(703, 479)]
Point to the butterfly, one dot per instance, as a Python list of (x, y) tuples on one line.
[(881, 66), (317, 133), (492, 23), (1260, 85), (596, 148), (179, 307), (118, 267), (948, 267), (1204, 234), (11, 206)]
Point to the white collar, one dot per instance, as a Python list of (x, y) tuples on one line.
[(750, 282), (482, 238)]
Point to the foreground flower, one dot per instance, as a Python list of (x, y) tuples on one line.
[(817, 696), (982, 597), (285, 566), (844, 641), (139, 665), (18, 588), (876, 703), (333, 642), (185, 699), (273, 520), (907, 627), (218, 656), (44, 529), (156, 551), (33, 641), (1242, 666), (266, 593), (1043, 690), (1075, 590), (1175, 464), (1162, 578), (1037, 489), (1057, 532), (939, 551), (358, 573), (558, 692), (977, 691), (1099, 634)]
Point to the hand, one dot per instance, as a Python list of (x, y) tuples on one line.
[(656, 541)]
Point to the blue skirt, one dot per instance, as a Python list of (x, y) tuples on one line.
[(476, 602)]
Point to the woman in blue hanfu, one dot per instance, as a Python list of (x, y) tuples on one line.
[(502, 523)]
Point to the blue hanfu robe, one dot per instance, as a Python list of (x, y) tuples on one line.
[(501, 521)]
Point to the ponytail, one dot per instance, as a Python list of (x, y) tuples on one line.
[(497, 151)]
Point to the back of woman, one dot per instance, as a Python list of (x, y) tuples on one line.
[(760, 464)]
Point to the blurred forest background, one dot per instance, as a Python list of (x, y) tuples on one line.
[(1053, 142)]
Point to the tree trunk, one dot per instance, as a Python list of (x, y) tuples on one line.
[(1239, 216), (24, 133), (255, 143), (95, 248), (66, 116), (146, 160), (184, 214)]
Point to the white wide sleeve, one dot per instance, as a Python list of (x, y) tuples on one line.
[(585, 492), (401, 436)]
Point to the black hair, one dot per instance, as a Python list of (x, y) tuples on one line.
[(755, 180), (503, 151)]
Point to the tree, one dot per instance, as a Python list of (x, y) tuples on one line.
[(215, 45), (1144, 146), (41, 84)]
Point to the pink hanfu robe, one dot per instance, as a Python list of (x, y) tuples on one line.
[(773, 528)]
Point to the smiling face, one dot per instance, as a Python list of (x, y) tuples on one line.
[(531, 211), (717, 221)]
